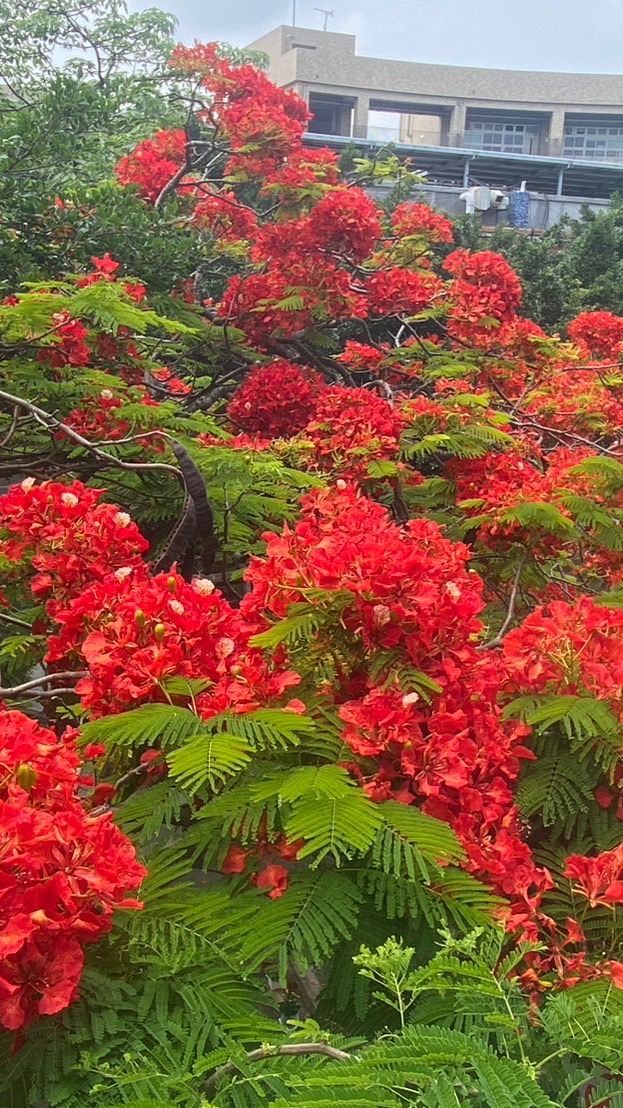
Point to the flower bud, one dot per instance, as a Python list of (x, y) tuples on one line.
[(171, 584), (26, 776), (160, 631), (139, 618)]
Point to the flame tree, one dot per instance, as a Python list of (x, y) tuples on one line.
[(310, 654)]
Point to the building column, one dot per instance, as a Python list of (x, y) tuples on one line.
[(556, 136), (361, 112), (343, 115), (456, 128)]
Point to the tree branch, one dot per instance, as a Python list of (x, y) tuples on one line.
[(45, 679), (51, 423), (497, 641), (263, 1052)]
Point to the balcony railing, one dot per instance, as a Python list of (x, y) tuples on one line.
[(525, 145)]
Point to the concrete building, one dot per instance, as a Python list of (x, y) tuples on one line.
[(563, 132)]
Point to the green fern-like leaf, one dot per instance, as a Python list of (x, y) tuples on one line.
[(412, 839), (546, 517), (319, 911), (151, 723), (589, 724), (208, 760), (557, 787), (339, 825)]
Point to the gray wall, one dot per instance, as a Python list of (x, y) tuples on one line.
[(545, 211)]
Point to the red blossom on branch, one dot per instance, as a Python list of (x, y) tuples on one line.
[(62, 872), (277, 399)]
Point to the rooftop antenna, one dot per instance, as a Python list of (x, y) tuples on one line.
[(294, 13), (327, 16)]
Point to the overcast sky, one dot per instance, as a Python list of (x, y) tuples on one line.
[(573, 35)]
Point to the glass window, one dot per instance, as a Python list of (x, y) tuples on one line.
[(594, 142), (509, 138)]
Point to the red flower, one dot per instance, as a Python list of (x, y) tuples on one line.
[(94, 750), (406, 592), (67, 344), (235, 861), (153, 163), (106, 265), (274, 878), (351, 428), (225, 217), (599, 879), (616, 973), (63, 539), (358, 355), (345, 222), (62, 872), (398, 291), (486, 292), (323, 291), (135, 632)]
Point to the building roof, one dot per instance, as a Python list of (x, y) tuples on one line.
[(300, 54)]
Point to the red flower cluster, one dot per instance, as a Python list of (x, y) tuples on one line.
[(277, 399), (67, 345), (62, 873), (274, 876), (493, 484), (170, 382), (486, 292), (344, 222), (410, 586), (418, 219), (577, 400), (361, 356), (398, 291), (97, 419), (261, 121), (136, 631), (351, 428), (599, 879), (153, 163), (568, 648), (104, 270), (224, 217), (598, 334), (309, 170), (67, 537), (236, 442), (314, 289)]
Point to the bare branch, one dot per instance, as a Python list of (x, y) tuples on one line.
[(497, 641), (16, 622), (12, 429), (262, 1053), (51, 423), (45, 679)]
